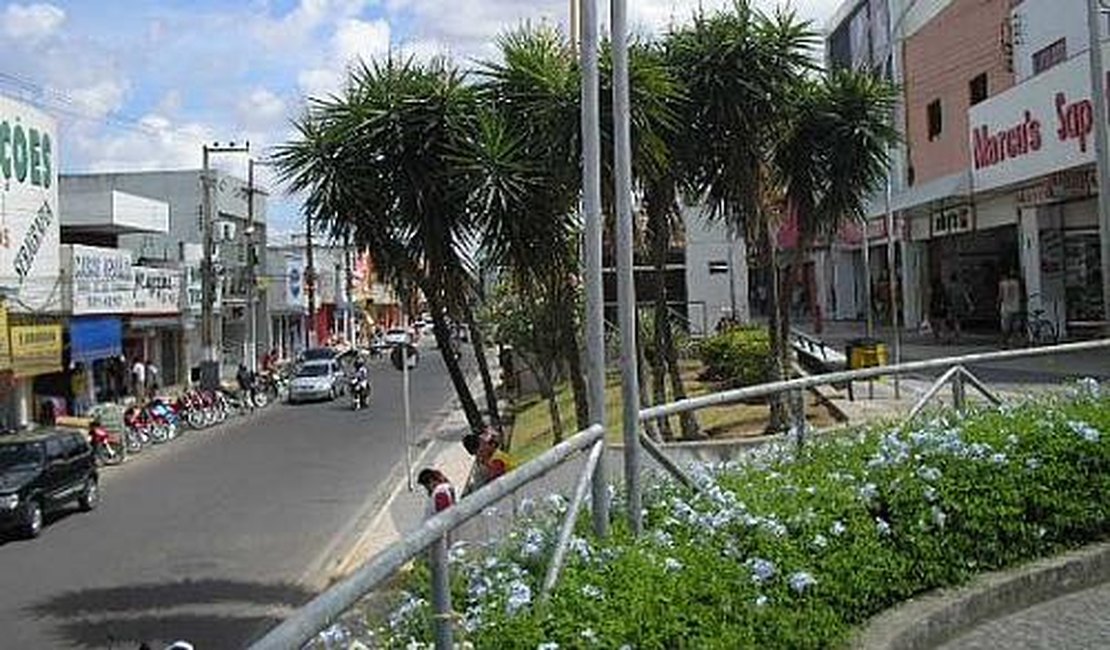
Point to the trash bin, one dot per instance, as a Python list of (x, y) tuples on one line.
[(866, 353)]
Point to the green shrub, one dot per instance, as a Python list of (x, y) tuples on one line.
[(789, 549), (740, 356)]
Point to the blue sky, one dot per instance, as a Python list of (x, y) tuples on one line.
[(141, 84)]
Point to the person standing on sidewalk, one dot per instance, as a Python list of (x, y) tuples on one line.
[(1009, 306), (490, 461), (138, 378), (439, 489)]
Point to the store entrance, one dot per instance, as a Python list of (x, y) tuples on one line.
[(972, 264)]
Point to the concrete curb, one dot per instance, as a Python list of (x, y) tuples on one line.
[(937, 617)]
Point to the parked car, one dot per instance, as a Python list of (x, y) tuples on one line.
[(44, 471), (317, 380), (398, 336)]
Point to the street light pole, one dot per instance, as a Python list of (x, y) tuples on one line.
[(591, 209), (252, 315), (626, 286), (208, 271), (1102, 152)]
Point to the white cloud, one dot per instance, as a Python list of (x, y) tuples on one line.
[(31, 22), (154, 143), (261, 109), (292, 29), (319, 82), (356, 39), (101, 98)]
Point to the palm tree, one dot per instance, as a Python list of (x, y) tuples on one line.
[(377, 161), (740, 67), (832, 157)]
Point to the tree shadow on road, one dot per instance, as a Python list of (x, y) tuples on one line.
[(209, 613)]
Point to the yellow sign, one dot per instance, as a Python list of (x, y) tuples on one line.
[(36, 349), (5, 348)]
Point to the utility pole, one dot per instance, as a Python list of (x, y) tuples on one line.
[(208, 270), (349, 304), (309, 282), (252, 314), (1102, 153)]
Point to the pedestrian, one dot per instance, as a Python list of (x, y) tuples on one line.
[(959, 305), (938, 309), (138, 378), (246, 385), (152, 384), (1009, 305), (439, 489), (490, 462)]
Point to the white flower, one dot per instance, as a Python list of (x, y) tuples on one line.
[(533, 542), (662, 538), (556, 503), (1011, 440), (580, 546), (588, 635), (1084, 430), (930, 493), (402, 614), (820, 541), (760, 600), (520, 595), (801, 580), (762, 570), (998, 458), (672, 565), (939, 517), (929, 474), (591, 591), (882, 526), (869, 492), (1089, 386), (837, 529), (1033, 463), (548, 645)]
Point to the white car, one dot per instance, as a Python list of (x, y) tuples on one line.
[(317, 380), (398, 336)]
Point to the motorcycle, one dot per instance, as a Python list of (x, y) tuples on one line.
[(360, 392), (108, 448)]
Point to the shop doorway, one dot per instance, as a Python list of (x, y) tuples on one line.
[(974, 263)]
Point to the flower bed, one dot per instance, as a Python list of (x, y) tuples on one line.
[(795, 549)]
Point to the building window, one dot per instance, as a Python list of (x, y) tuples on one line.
[(1050, 55), (935, 122), (977, 89)]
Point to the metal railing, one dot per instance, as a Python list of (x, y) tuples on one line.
[(320, 612)]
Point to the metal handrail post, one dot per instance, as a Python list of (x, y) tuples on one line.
[(980, 386), (661, 457), (441, 595), (959, 394), (559, 555), (932, 392)]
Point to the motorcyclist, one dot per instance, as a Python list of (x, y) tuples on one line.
[(361, 380), (245, 379)]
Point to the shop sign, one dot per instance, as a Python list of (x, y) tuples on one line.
[(5, 346), (1058, 187), (29, 230), (36, 349), (1043, 125), (294, 283), (194, 289), (102, 279), (952, 221), (156, 291)]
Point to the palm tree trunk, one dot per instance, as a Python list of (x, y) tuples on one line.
[(447, 351), (478, 340), (659, 244), (691, 430), (547, 390), (778, 415), (652, 428), (577, 380)]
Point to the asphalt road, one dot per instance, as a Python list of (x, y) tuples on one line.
[(212, 537)]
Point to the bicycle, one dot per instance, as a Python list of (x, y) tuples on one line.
[(1040, 330)]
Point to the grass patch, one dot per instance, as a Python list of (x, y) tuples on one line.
[(532, 432), (795, 549)]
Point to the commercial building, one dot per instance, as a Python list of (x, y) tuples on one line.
[(239, 228), (30, 316), (995, 175)]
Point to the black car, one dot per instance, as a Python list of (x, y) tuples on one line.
[(43, 471)]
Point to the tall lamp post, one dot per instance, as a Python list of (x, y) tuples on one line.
[(208, 270), (1095, 9)]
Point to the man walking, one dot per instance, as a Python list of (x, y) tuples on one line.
[(1009, 305), (138, 378)]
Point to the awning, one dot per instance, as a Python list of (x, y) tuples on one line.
[(95, 338), (951, 188)]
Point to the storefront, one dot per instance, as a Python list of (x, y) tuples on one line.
[(96, 370), (1033, 144), (42, 387)]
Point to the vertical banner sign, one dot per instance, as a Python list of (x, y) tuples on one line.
[(5, 346), (294, 283), (29, 231)]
